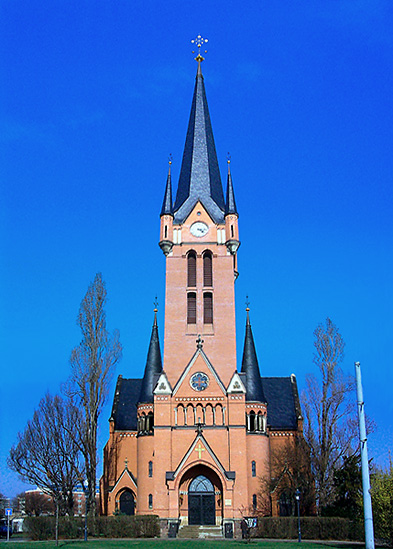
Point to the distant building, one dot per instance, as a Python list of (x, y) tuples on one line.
[(192, 438)]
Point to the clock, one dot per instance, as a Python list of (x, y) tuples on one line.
[(199, 381), (199, 229)]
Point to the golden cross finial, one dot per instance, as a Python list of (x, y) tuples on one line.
[(155, 303), (247, 304), (199, 449), (170, 159), (199, 41)]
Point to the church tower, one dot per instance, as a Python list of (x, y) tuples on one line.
[(190, 441), (199, 236)]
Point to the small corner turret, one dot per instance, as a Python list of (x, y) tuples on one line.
[(231, 219), (166, 216)]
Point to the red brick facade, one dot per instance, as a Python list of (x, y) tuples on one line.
[(199, 424)]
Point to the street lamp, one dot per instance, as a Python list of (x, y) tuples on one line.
[(85, 486), (297, 497)]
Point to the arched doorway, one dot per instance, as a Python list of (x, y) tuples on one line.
[(127, 503), (201, 501)]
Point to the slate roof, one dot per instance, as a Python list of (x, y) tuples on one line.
[(230, 205), (250, 367), (281, 394), (199, 174), (153, 365), (125, 404), (167, 208)]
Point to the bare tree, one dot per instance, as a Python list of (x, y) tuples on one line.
[(47, 455), (329, 424), (37, 503), (92, 365)]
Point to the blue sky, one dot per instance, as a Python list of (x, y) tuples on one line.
[(96, 95)]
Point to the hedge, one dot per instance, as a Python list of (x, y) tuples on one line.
[(121, 526), (318, 528)]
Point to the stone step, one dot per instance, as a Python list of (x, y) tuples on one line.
[(200, 532)]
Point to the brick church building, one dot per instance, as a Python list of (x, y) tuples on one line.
[(191, 440)]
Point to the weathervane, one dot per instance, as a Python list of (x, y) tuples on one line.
[(247, 304), (229, 158), (199, 41), (170, 160), (155, 303)]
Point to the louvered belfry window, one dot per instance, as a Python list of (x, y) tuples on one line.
[(208, 308), (191, 308), (191, 270), (207, 269)]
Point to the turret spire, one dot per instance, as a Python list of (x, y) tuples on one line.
[(199, 174), (230, 205), (153, 363), (254, 390), (167, 208)]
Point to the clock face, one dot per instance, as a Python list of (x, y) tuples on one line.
[(199, 229), (199, 381)]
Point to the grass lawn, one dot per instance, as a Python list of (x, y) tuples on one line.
[(169, 544)]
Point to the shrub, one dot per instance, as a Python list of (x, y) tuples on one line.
[(121, 526), (320, 528)]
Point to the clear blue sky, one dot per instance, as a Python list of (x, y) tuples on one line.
[(96, 95)]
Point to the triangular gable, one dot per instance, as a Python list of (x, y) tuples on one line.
[(199, 443), (236, 385), (163, 387), (130, 476), (199, 352), (199, 205)]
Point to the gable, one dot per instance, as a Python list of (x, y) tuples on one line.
[(207, 385)]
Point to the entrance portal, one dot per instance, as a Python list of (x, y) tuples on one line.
[(201, 501), (127, 503)]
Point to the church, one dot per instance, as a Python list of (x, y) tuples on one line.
[(191, 440)]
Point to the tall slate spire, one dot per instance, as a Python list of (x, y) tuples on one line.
[(199, 174), (250, 367), (167, 208), (153, 365), (230, 205)]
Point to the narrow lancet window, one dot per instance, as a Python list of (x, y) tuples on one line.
[(191, 308), (208, 308), (191, 270), (207, 269)]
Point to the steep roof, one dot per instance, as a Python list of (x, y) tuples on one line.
[(230, 204), (167, 208), (124, 409), (280, 395), (250, 367), (153, 365), (281, 402), (199, 174)]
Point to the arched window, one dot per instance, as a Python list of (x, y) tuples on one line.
[(208, 308), (252, 421), (150, 501), (254, 501), (191, 308), (191, 269), (150, 422), (207, 269), (201, 484), (150, 469), (253, 469)]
